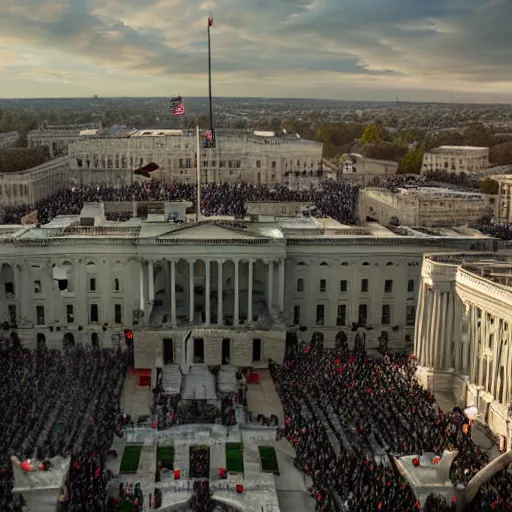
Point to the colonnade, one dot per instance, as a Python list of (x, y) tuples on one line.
[(147, 267)]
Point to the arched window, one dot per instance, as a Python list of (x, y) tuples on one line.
[(344, 264), (390, 264), (365, 264), (323, 264), (68, 340), (301, 264)]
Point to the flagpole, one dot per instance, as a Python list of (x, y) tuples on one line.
[(210, 78), (198, 176)]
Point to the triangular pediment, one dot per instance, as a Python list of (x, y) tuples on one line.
[(209, 231)]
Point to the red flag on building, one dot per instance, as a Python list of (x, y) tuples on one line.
[(210, 21)]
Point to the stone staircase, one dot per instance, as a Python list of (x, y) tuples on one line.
[(226, 379), (199, 384), (171, 379), (182, 459)]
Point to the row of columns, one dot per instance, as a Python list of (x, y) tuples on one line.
[(220, 313), (437, 336)]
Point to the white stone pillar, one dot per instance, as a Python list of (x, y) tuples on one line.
[(142, 301), (427, 322), (436, 327), (220, 298), (281, 285), (236, 313), (173, 293), (419, 321), (207, 291), (191, 291), (151, 277), (249, 293), (270, 284)]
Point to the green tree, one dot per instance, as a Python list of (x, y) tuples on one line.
[(372, 135), (411, 163), (489, 186)]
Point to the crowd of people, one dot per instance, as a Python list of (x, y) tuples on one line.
[(336, 199), (347, 414), (59, 403)]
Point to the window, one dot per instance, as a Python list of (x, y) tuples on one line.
[(364, 285), (323, 285), (258, 163), (342, 314), (69, 314), (410, 285), (320, 311), (300, 285), (363, 314), (386, 314), (388, 286), (92, 284), (9, 288), (343, 286), (37, 286), (40, 315), (365, 264), (344, 264), (256, 349), (116, 284), (117, 314), (273, 165), (12, 313), (94, 313), (410, 315), (296, 315), (94, 340)]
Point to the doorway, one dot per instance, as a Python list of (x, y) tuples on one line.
[(226, 350), (200, 462), (168, 350), (291, 346), (198, 351)]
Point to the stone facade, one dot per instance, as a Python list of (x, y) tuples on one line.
[(93, 281), (239, 156), (503, 211), (456, 159), (365, 171), (463, 332), (425, 206), (31, 185)]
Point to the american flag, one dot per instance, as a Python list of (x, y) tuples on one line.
[(179, 110)]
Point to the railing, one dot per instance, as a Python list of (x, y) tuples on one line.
[(485, 286)]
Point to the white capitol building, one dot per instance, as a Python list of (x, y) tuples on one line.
[(221, 291)]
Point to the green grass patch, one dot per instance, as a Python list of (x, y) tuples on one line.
[(130, 460), (268, 459), (165, 455), (125, 506), (234, 458)]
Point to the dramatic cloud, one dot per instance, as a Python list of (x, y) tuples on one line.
[(322, 48)]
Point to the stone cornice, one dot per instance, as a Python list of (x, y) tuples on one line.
[(485, 287)]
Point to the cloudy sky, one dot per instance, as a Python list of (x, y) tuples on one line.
[(341, 49)]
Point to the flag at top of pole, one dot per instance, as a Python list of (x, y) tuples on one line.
[(210, 21)]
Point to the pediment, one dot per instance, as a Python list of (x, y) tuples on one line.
[(209, 231)]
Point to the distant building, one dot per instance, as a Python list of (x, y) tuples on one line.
[(456, 159), (424, 206), (8, 139), (503, 210), (31, 185), (239, 156), (365, 171)]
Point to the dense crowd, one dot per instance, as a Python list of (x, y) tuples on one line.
[(501, 230), (337, 200), (59, 403), (347, 414)]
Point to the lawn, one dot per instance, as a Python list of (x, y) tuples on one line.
[(130, 460), (234, 458), (165, 455), (268, 459)]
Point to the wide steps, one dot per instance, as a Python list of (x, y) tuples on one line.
[(199, 384), (171, 379)]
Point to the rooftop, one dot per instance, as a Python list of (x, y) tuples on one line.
[(458, 148)]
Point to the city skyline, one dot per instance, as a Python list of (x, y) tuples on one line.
[(367, 50)]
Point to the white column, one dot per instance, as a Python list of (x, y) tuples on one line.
[(281, 285), (220, 312), (236, 313), (434, 333), (207, 291), (419, 321), (270, 284), (191, 291), (142, 301), (249, 293), (173, 293), (151, 277)]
